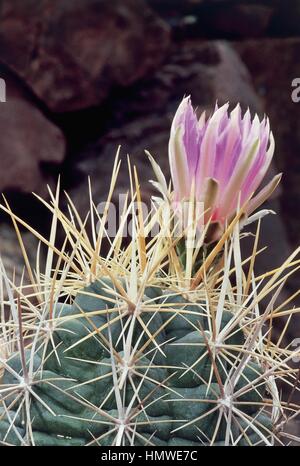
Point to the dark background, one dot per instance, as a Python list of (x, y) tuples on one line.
[(83, 76)]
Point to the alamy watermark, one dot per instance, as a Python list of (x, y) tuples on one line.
[(184, 218), (2, 90), (296, 344), (296, 90)]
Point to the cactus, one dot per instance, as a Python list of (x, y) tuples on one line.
[(157, 387), (166, 340), (134, 349)]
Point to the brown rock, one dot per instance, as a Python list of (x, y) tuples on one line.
[(209, 71), (209, 18), (238, 19), (72, 53), (28, 139), (274, 63), (230, 18)]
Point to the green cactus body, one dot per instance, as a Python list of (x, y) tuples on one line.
[(176, 386)]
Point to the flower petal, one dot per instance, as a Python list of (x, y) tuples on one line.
[(232, 191), (264, 194), (178, 164)]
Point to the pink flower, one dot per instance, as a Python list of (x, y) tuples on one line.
[(225, 157)]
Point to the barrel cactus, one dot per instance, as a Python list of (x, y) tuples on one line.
[(132, 357), (148, 377), (163, 341)]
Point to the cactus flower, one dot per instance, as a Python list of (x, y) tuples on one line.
[(224, 157)]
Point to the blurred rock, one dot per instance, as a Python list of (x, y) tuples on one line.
[(28, 141), (236, 19), (230, 19), (72, 53), (274, 63), (286, 19), (209, 71), (244, 19)]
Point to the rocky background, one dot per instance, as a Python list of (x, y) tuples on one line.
[(84, 76)]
